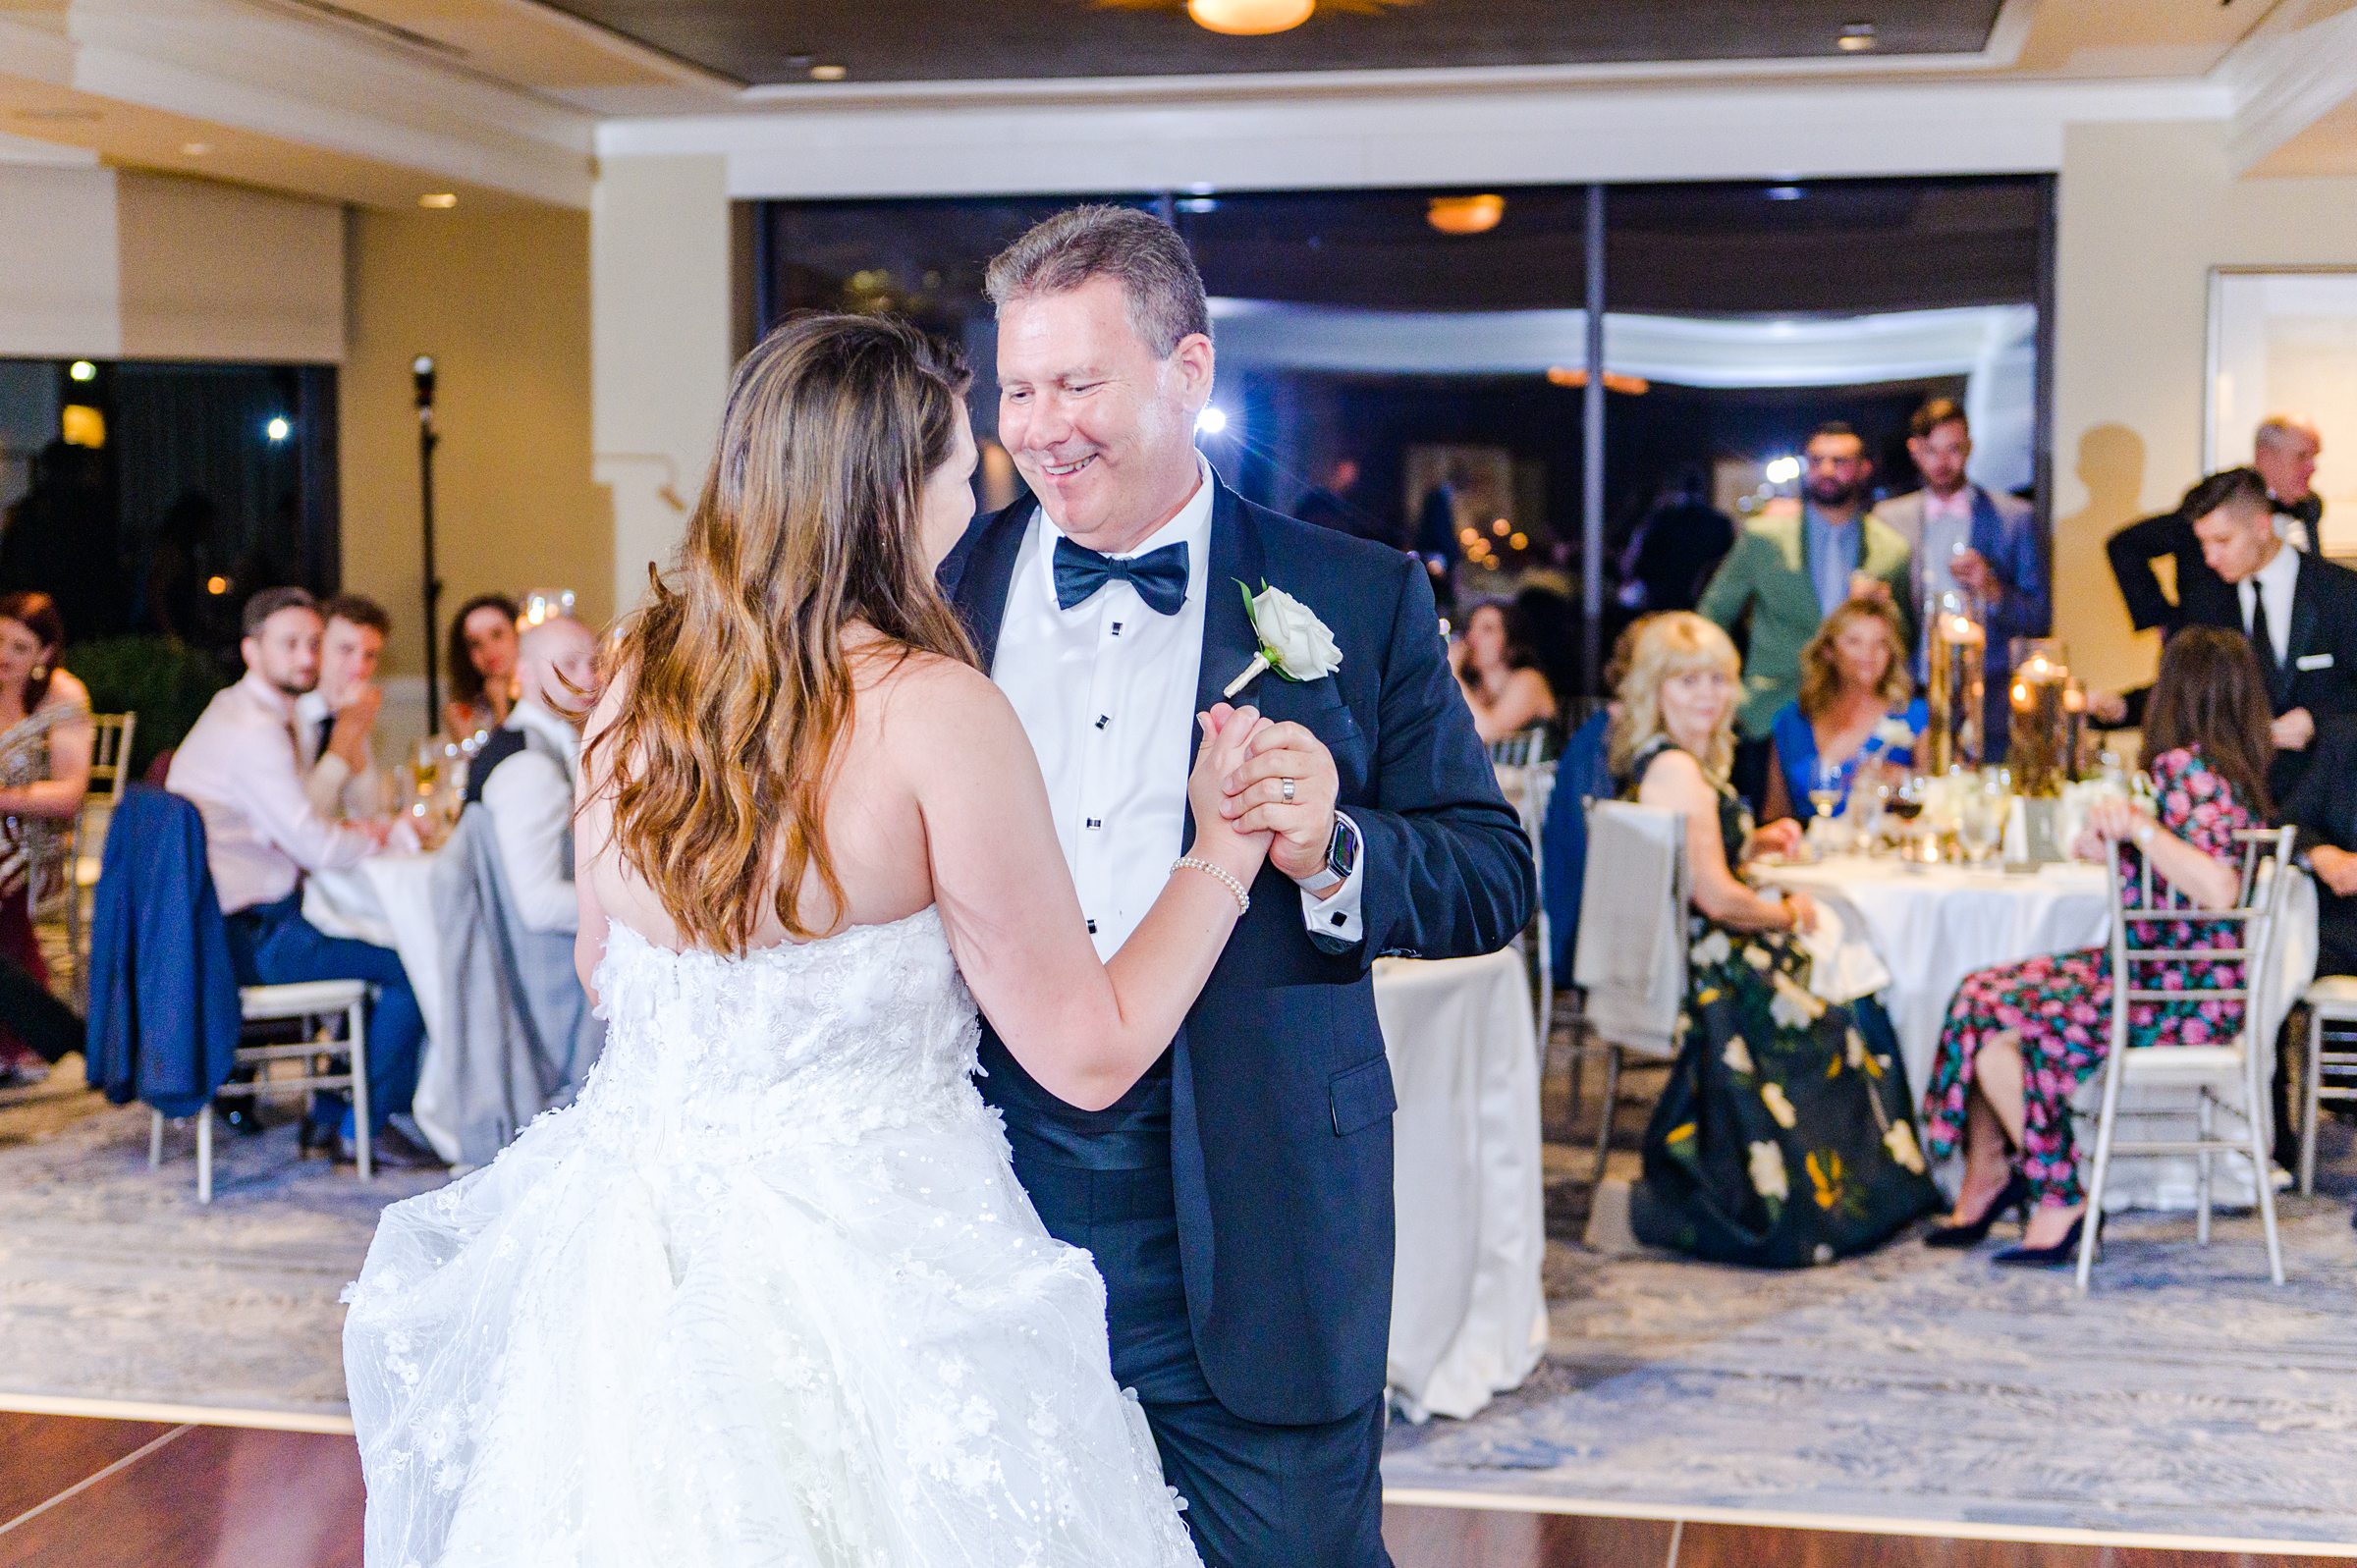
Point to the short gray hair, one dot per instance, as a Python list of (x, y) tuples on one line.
[(2278, 429), (1157, 273)]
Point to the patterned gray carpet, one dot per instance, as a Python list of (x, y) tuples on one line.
[(2186, 1392), (2185, 1395), (115, 1284)]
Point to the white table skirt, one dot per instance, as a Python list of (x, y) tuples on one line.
[(1468, 1307), (388, 899), (1933, 925)]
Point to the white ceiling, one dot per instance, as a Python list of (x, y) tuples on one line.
[(376, 102)]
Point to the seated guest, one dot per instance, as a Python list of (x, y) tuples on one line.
[(45, 737), (241, 767), (2022, 1038), (335, 721), (482, 665), (1963, 536), (1790, 568), (524, 776), (1782, 1137), (1499, 672), (1853, 711)]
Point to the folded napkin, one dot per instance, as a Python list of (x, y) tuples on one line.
[(1843, 964)]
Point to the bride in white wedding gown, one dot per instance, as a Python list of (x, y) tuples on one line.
[(768, 1293)]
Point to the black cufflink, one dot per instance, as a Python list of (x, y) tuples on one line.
[(1340, 920)]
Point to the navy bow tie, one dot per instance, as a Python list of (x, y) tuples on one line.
[(1159, 577)]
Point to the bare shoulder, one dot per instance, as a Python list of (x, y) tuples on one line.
[(66, 690), (928, 700), (1674, 781)]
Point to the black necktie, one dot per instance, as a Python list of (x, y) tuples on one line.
[(2262, 639), (327, 729), (1160, 576)]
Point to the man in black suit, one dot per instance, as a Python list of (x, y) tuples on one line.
[(1238, 1200), (2298, 609), (2285, 453), (2324, 808)]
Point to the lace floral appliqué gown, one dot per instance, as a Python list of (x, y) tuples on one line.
[(766, 1293)]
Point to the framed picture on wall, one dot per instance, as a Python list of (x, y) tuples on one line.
[(2285, 342)]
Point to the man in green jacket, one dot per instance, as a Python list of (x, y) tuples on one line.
[(1790, 568)]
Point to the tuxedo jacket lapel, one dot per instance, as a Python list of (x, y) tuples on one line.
[(979, 571), (1229, 641), (2304, 611)]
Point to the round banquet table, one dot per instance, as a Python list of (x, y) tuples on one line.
[(1931, 926), (1468, 1309), (388, 899)]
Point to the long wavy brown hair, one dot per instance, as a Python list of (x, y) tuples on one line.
[(737, 688), (2211, 693)]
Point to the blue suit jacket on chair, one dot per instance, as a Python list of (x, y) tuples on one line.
[(164, 1015), (1281, 1133)]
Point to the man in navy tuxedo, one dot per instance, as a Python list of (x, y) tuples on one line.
[(1238, 1200)]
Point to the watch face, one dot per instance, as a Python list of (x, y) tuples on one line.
[(1342, 851)]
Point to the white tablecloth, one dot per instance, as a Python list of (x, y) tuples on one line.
[(1468, 1308), (1933, 925), (388, 899)]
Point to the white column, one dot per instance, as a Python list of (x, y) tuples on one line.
[(660, 336)]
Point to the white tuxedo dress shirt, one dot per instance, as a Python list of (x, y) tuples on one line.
[(2276, 581), (529, 796), (1106, 691), (242, 768), (338, 791)]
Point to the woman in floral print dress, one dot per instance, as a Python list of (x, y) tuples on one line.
[(1782, 1137), (2022, 1038)]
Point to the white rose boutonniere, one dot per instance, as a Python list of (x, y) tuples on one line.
[(1293, 641)]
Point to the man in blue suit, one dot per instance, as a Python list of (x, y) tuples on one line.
[(1238, 1200), (1965, 536)]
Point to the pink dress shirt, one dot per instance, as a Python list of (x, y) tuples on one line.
[(238, 766)]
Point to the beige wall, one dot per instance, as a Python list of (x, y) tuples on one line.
[(502, 302), (2144, 212)]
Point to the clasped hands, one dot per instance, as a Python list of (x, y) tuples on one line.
[(1284, 784)]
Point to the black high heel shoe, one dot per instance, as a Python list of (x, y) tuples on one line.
[(2060, 1255), (2015, 1196)]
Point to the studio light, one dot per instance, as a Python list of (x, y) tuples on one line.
[(1250, 19), (83, 370), (1211, 421), (1782, 470), (278, 428)]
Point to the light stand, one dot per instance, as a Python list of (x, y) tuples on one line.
[(421, 371)]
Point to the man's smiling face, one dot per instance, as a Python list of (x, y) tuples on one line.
[(1099, 427)]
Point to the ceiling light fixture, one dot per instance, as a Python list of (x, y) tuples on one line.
[(83, 370), (1466, 214), (195, 150), (439, 200), (1785, 193), (828, 71), (1250, 19), (1855, 36)]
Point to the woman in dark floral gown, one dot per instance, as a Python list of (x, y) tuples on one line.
[(1782, 1137), (2022, 1038)]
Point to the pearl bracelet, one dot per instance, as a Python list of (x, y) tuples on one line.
[(1243, 899)]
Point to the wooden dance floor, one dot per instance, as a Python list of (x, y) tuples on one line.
[(86, 1493)]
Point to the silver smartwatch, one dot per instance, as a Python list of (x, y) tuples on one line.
[(1341, 858)]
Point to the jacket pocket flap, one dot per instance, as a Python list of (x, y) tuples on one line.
[(1362, 1096)]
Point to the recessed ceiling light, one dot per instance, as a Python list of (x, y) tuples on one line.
[(1250, 19), (1785, 193), (828, 72), (1198, 205), (83, 370), (1466, 214), (195, 150), (439, 200), (1855, 36)]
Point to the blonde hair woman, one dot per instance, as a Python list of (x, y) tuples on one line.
[(1854, 710), (775, 1253), (1808, 1154)]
